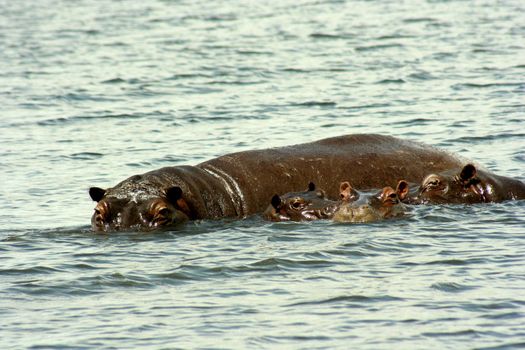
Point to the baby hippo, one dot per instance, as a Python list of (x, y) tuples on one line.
[(308, 205), (386, 204), (313, 204)]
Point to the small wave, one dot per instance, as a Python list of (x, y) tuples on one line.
[(113, 81), (315, 104), (325, 36), (34, 270), (450, 334), (415, 122), (391, 81), (272, 263), (420, 20), (359, 299), (421, 76), (254, 53), (86, 155), (378, 47), (493, 137), (450, 287), (74, 119), (394, 36), (463, 86)]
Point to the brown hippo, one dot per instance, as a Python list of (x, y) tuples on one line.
[(308, 205), (469, 185), (388, 203), (240, 184), (352, 207)]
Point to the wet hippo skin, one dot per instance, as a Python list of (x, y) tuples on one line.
[(242, 183)]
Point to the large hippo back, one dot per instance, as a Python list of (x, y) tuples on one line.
[(366, 160)]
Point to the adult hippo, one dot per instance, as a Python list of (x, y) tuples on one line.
[(468, 185), (240, 184)]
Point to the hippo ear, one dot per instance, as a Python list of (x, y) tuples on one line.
[(174, 194), (311, 186), (345, 191), (402, 189), (468, 172), (96, 193), (276, 201), (344, 185)]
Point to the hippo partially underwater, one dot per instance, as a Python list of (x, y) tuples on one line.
[(240, 184), (351, 207)]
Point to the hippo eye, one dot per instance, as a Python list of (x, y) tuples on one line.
[(297, 204), (434, 183), (163, 212)]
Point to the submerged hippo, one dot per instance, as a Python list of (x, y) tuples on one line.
[(240, 184), (388, 203), (352, 206), (469, 185), (311, 204)]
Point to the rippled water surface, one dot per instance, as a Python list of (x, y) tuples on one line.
[(93, 92)]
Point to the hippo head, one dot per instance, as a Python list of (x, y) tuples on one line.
[(308, 205), (137, 209), (467, 186), (389, 199), (385, 204), (347, 192)]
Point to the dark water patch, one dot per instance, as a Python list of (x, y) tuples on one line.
[(315, 104), (335, 125), (465, 86), (183, 76), (420, 20), (82, 97), (235, 82), (504, 315), (315, 70), (367, 106), (423, 76), (354, 300), (489, 137), (378, 47), (451, 287), (448, 262), (86, 156), (390, 81), (82, 118), (289, 264), (505, 346), (121, 81), (415, 122), (395, 36), (325, 36), (34, 270), (254, 53), (466, 332)]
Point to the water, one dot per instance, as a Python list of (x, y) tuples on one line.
[(93, 92)]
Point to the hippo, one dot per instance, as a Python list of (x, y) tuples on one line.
[(388, 203), (468, 185), (308, 205), (240, 184), (352, 207)]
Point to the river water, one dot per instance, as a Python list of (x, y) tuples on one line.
[(93, 92)]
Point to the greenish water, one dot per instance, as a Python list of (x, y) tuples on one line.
[(94, 92)]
